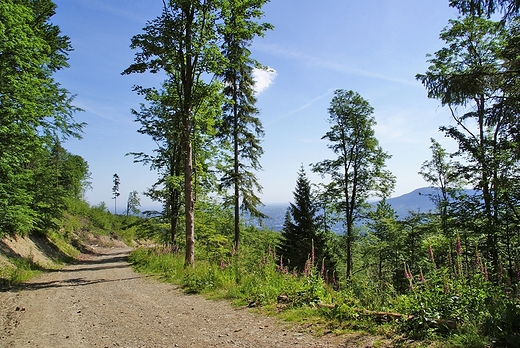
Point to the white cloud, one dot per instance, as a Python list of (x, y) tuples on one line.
[(263, 78)]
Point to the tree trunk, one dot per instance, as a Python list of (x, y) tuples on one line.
[(187, 77), (188, 201), (235, 169), (349, 252)]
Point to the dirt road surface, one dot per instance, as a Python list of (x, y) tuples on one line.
[(101, 302)]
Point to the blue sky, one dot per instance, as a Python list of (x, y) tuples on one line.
[(373, 47)]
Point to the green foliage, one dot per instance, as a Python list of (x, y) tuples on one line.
[(36, 114), (214, 226), (159, 261), (358, 172), (482, 8), (300, 236), (20, 270), (100, 219), (503, 326)]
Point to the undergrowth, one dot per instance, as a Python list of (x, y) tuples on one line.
[(454, 312), (18, 270)]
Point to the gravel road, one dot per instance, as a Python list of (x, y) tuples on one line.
[(101, 302)]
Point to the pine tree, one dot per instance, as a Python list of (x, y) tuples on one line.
[(301, 239), (115, 191)]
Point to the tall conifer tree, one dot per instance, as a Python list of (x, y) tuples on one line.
[(240, 126), (301, 239)]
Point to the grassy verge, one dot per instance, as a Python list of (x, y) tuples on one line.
[(306, 301), (18, 270), (463, 312)]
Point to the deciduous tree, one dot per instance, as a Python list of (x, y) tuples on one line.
[(133, 203), (481, 8), (358, 172), (182, 44), (468, 76), (442, 174), (160, 119), (34, 109)]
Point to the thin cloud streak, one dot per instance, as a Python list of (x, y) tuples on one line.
[(107, 8), (330, 65), (303, 107)]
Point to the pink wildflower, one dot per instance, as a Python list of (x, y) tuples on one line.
[(307, 270), (421, 276), (430, 253), (407, 273), (459, 246), (312, 252)]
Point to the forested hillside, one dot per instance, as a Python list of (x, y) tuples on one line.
[(418, 200), (449, 273)]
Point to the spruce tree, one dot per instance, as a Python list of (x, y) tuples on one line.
[(241, 130), (301, 239)]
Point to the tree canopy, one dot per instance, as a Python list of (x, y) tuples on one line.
[(358, 172), (36, 112)]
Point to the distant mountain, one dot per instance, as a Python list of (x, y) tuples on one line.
[(418, 200), (276, 216)]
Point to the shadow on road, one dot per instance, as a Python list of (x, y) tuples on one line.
[(69, 283), (106, 260)]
